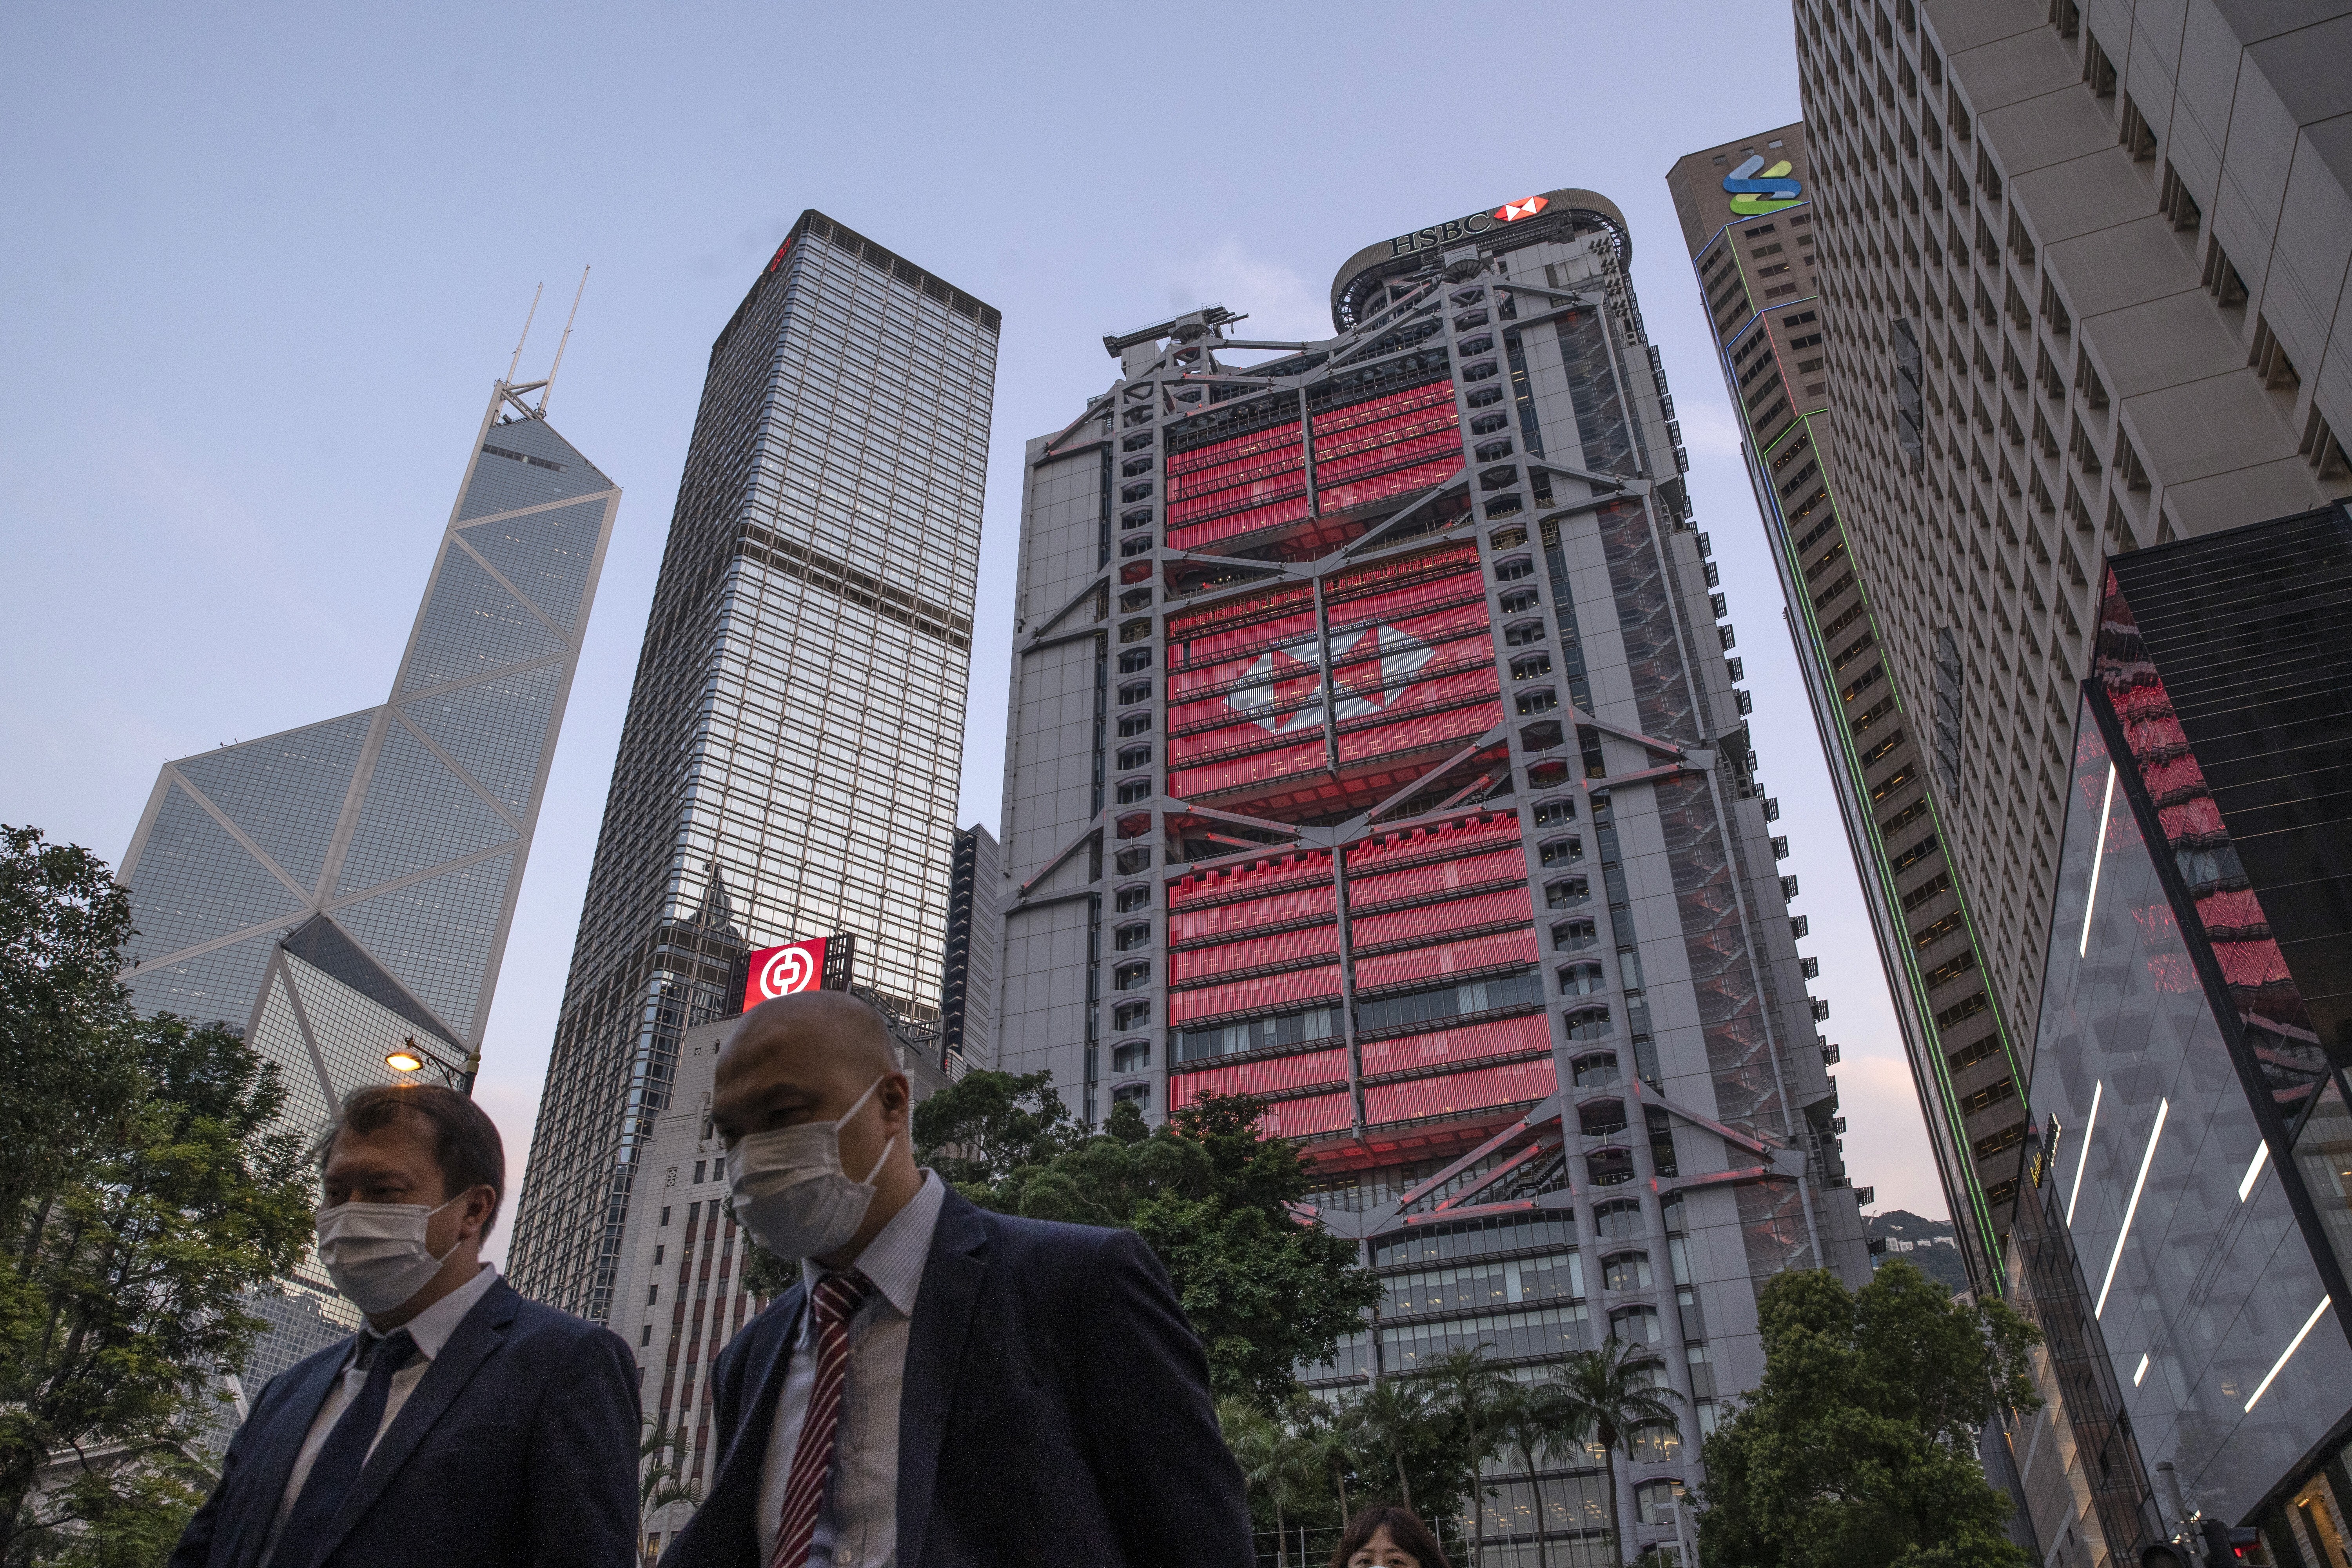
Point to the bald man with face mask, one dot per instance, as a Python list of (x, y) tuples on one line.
[(945, 1387)]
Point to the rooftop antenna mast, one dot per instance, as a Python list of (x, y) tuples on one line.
[(527, 321), (548, 385)]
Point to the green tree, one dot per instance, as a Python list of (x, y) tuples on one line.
[(1531, 1420), (122, 1300), (1612, 1394), (1280, 1464), (1408, 1436), (63, 922), (661, 1470), (981, 1129), (1859, 1449), (1206, 1190), (1471, 1391)]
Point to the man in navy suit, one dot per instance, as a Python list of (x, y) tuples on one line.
[(462, 1424), (944, 1386)]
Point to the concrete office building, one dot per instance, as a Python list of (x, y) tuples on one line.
[(968, 980), (1374, 752), (2079, 268), (1752, 228), (790, 761), (2184, 1232), (344, 889)]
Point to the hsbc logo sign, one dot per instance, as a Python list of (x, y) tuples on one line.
[(785, 970), (1382, 663), (1461, 228)]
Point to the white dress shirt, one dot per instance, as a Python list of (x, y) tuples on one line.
[(431, 1330), (858, 1526)]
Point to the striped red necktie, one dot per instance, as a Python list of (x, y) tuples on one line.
[(835, 1301)]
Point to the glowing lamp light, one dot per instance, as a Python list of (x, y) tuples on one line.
[(403, 1059)]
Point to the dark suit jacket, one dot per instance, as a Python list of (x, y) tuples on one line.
[(1055, 1411), (519, 1445)]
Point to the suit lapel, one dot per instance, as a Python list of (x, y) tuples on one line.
[(278, 1449), (952, 1275), (478, 1334), (769, 1355)]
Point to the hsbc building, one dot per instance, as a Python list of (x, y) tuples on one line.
[(1377, 750)]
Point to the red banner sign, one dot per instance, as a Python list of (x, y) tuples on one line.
[(785, 971)]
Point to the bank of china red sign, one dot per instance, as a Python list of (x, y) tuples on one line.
[(785, 970)]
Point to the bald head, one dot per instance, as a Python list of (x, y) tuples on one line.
[(827, 1032), (812, 1058)]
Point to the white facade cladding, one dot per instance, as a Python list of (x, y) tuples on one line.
[(345, 888), (789, 761), (1373, 751)]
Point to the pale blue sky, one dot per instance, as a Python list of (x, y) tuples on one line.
[(258, 266)]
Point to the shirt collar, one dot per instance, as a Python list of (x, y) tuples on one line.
[(894, 1260), (431, 1328)]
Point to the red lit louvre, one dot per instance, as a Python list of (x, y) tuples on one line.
[(1232, 525), (1446, 840), (1256, 880), (1226, 475), (1227, 488), (1392, 485), (1528, 1036), (1422, 732), (1435, 923), (1272, 994), (1387, 446), (1251, 916), (1199, 966), (1475, 954), (1304, 1118), (1499, 870), (1515, 1084), (1309, 1070)]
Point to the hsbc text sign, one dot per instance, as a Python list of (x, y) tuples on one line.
[(785, 971), (1458, 229)]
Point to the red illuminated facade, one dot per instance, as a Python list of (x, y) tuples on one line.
[(1373, 753)]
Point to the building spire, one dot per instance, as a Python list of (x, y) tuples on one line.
[(548, 385)]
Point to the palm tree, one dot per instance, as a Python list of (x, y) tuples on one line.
[(1533, 1420), (1613, 1394), (1392, 1414), (1341, 1442), (662, 1480), (1276, 1462), (1470, 1389)]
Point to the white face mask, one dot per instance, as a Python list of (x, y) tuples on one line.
[(790, 1189), (377, 1253)]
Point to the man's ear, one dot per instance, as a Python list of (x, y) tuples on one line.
[(481, 1209)]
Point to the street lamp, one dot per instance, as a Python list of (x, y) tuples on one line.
[(408, 1057)]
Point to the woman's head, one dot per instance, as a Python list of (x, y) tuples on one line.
[(1386, 1536)]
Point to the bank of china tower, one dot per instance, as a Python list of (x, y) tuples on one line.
[(1375, 751)]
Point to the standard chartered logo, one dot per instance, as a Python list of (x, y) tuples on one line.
[(1752, 197)]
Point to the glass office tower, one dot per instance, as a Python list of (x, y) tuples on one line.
[(1749, 220), (345, 888), (790, 761), (2184, 1230), (1374, 753)]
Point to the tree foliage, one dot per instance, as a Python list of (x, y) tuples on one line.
[(147, 1187), (1859, 1449), (1205, 1190)]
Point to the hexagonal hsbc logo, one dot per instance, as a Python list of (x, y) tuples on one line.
[(1288, 698), (1512, 212), (785, 971)]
